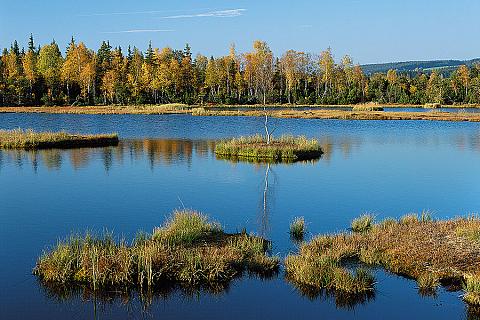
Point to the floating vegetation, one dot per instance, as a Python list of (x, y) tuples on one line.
[(297, 229), (187, 250), (416, 246), (29, 139), (285, 148)]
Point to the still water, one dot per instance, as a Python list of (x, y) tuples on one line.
[(388, 168)]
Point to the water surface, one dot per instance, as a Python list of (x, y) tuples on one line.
[(388, 168)]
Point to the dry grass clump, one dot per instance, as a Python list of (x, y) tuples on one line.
[(434, 105), (29, 139), (472, 289), (187, 250), (283, 148), (418, 247), (362, 223), (367, 107), (297, 229)]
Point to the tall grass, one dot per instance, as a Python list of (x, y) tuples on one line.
[(188, 250), (363, 223), (297, 228), (282, 148), (29, 139), (417, 246)]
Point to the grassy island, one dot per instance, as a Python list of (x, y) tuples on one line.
[(416, 246), (187, 250), (29, 139), (285, 148)]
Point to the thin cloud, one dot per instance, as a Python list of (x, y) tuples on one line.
[(216, 14), (132, 13), (139, 31)]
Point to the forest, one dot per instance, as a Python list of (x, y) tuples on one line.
[(43, 75)]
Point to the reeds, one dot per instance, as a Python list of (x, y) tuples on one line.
[(297, 229), (29, 139), (282, 148), (188, 250), (417, 246), (362, 223), (367, 107)]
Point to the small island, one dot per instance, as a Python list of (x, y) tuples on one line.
[(284, 148), (187, 250), (31, 140)]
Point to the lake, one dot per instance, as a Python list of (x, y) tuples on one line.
[(388, 168)]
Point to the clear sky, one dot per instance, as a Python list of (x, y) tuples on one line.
[(369, 30)]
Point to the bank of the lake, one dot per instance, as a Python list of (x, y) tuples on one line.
[(328, 113)]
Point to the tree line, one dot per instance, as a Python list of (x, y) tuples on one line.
[(80, 76)]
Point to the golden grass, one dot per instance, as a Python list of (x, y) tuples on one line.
[(279, 149), (29, 139), (416, 246), (298, 114), (188, 250), (297, 229)]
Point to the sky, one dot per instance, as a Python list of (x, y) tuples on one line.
[(370, 31)]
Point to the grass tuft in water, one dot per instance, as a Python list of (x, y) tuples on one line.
[(297, 229), (188, 250), (285, 148)]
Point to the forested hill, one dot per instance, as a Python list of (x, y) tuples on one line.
[(443, 66)]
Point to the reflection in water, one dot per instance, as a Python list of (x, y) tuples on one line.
[(134, 302), (170, 152), (166, 152)]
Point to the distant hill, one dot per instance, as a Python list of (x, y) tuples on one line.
[(412, 67)]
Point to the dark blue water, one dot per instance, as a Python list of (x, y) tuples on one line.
[(388, 168)]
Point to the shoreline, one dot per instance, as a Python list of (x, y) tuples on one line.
[(429, 114)]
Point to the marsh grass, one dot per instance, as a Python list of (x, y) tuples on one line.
[(472, 289), (29, 139), (362, 223), (188, 250), (367, 107), (297, 229), (417, 246), (434, 105), (284, 148)]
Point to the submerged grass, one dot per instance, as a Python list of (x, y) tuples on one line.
[(29, 139), (417, 246), (284, 148), (188, 250)]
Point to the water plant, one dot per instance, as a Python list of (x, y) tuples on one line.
[(297, 228), (29, 139), (427, 250), (362, 223), (188, 249), (282, 148)]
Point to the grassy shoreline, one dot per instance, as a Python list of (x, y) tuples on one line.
[(428, 114), (285, 148), (31, 140), (416, 246)]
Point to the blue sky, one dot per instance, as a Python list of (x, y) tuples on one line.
[(369, 30)]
